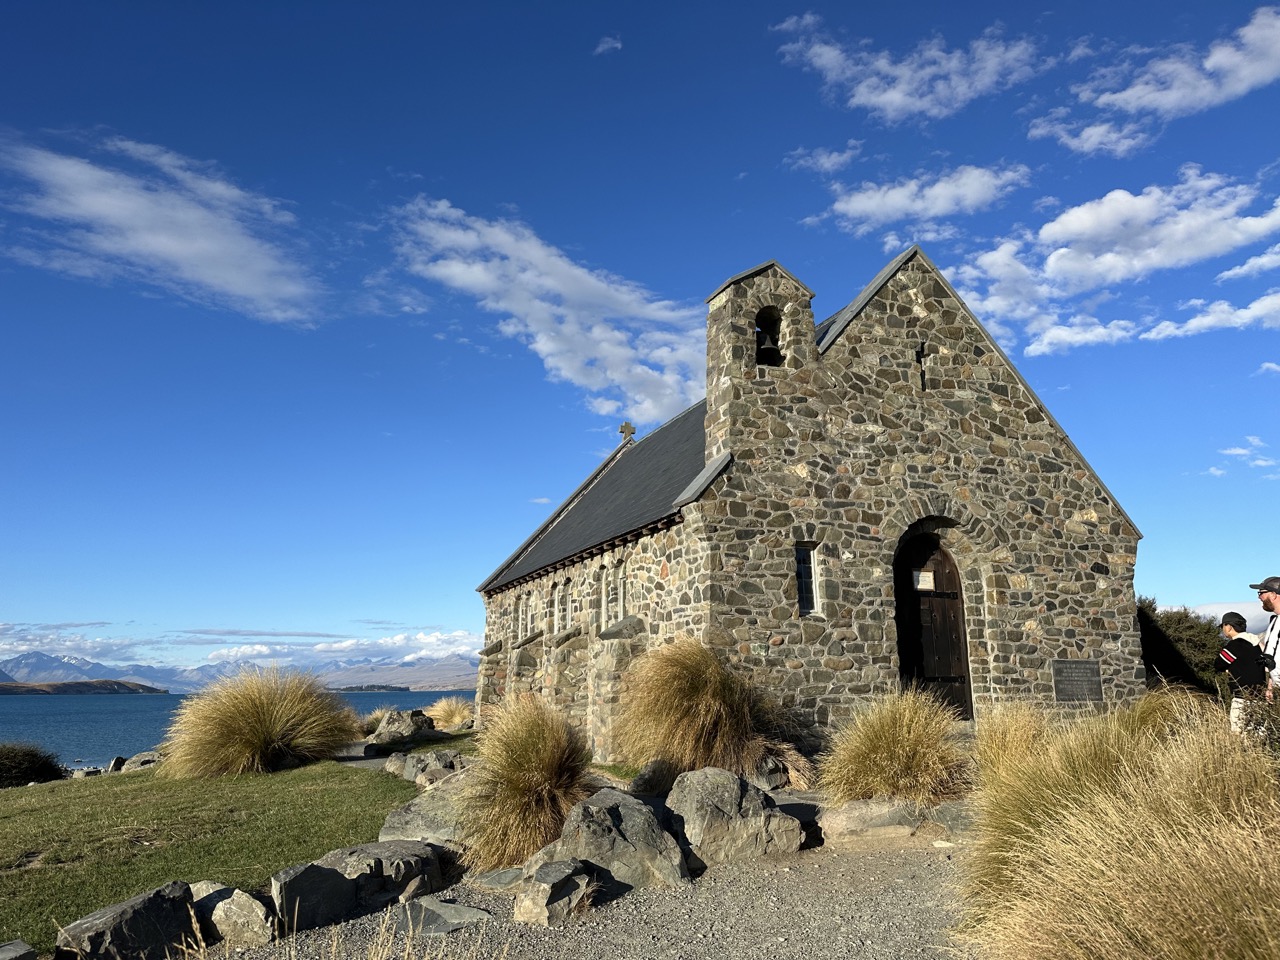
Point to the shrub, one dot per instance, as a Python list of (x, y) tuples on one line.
[(256, 721), (900, 746), (23, 763), (532, 770), (1172, 859), (450, 711), (1010, 731), (682, 706)]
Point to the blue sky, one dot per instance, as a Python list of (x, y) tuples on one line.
[(309, 314)]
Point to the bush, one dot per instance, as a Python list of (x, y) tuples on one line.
[(900, 746), (1010, 732), (450, 711), (256, 721), (532, 770), (683, 707), (23, 763), (1169, 855)]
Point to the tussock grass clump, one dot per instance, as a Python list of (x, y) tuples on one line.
[(684, 707), (23, 763), (1010, 731), (1169, 855), (532, 770), (256, 721), (900, 746), (451, 711)]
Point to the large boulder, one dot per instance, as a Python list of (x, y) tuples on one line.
[(151, 926), (432, 766), (352, 881), (17, 950), (433, 918), (232, 916), (620, 839), (552, 893), (430, 816), (722, 818), (403, 729), (147, 758)]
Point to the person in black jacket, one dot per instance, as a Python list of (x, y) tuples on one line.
[(1241, 658)]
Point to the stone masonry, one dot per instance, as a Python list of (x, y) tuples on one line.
[(898, 416)]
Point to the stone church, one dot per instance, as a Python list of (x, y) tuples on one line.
[(874, 501)]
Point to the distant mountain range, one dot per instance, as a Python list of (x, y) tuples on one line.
[(453, 672)]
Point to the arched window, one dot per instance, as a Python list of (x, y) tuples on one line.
[(553, 610), (620, 589), (600, 604)]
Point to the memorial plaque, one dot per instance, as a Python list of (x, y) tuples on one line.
[(1075, 680)]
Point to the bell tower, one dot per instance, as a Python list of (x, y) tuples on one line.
[(759, 330)]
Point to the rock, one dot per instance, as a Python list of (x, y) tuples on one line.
[(307, 896), (17, 950), (955, 816), (770, 774), (620, 839), (805, 806), (552, 893), (86, 772), (401, 730), (430, 777), (867, 819), (654, 779), (232, 916), (417, 887), (433, 766), (116, 765), (395, 764), (723, 818), (430, 816), (139, 760), (151, 926), (427, 916), (498, 881)]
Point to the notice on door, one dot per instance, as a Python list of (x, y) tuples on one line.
[(1077, 680), (923, 580)]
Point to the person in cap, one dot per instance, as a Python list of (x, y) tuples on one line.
[(1241, 658), (1269, 596)]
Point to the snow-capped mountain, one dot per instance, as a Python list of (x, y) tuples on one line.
[(452, 672)]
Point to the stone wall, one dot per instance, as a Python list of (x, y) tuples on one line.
[(911, 421)]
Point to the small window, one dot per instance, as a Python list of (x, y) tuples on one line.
[(769, 338), (562, 607), (805, 579)]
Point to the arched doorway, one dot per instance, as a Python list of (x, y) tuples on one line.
[(932, 652)]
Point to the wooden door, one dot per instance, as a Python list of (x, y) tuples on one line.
[(932, 650)]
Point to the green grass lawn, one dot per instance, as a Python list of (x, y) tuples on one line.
[(69, 848)]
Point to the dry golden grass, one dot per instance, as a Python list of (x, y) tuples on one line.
[(1010, 731), (687, 709), (533, 769), (1170, 854), (254, 722), (900, 746), (450, 711)]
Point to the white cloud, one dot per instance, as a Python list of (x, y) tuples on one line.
[(931, 81), (408, 646), (1080, 331), (147, 214), (1262, 462), (1267, 260), (821, 160), (249, 651), (1103, 136), (1122, 236), (1216, 472), (597, 331), (1185, 82), (63, 640), (1221, 315), (540, 500), (607, 45), (1268, 367), (964, 190)]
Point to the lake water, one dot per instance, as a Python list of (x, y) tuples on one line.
[(90, 730)]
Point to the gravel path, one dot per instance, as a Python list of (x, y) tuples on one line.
[(888, 900)]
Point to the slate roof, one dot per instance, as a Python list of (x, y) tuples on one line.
[(637, 486)]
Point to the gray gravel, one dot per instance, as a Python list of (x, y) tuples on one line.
[(884, 900)]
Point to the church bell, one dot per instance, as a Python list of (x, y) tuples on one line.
[(767, 352)]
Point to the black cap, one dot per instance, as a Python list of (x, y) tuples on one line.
[(1234, 619), (1271, 584)]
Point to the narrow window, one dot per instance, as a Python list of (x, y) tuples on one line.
[(562, 607), (621, 573), (769, 338), (804, 578), (553, 610)]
